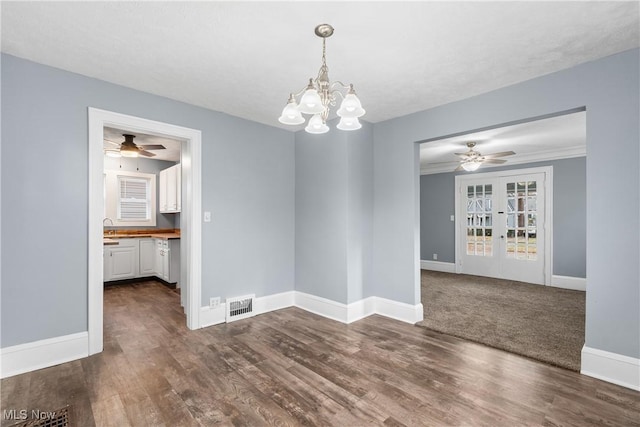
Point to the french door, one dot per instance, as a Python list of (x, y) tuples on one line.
[(501, 226)]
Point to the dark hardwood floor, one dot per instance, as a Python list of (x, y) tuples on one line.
[(291, 367)]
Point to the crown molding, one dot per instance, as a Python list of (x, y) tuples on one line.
[(540, 156)]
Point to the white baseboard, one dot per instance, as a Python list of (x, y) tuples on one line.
[(445, 267), (399, 310), (322, 306), (360, 309), (212, 316), (611, 367), (344, 313), (274, 302), (567, 282), (28, 357)]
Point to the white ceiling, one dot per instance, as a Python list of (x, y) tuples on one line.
[(113, 138), (552, 138), (243, 58)]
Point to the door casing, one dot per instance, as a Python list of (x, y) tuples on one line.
[(191, 247)]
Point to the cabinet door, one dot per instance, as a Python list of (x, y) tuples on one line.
[(174, 261), (158, 257), (162, 194), (106, 264), (172, 201), (123, 262), (147, 257), (166, 256), (178, 187)]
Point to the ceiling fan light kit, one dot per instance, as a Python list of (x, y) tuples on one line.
[(320, 95), (472, 159), (471, 165), (128, 148)]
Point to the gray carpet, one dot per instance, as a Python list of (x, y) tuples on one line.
[(540, 322)]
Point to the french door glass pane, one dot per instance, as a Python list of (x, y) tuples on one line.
[(479, 220), (521, 226)]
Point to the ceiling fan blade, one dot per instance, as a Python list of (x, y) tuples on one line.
[(494, 161), (462, 154), (152, 147), (112, 142), (146, 153), (500, 154), (451, 162)]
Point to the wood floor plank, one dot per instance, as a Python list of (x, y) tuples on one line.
[(291, 368)]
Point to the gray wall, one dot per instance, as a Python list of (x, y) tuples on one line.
[(609, 90), (334, 200), (247, 184), (437, 200), (146, 166)]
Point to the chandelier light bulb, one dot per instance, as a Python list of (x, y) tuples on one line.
[(349, 123), (316, 125), (311, 103), (350, 106), (291, 114)]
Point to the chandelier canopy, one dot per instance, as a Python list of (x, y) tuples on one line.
[(320, 95)]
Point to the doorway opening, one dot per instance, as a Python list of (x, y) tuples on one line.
[(489, 237), (189, 221)]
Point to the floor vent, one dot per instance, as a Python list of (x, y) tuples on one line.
[(239, 307), (59, 418)]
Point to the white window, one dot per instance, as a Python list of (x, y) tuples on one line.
[(130, 198)]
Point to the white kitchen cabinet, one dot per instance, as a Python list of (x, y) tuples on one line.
[(168, 260), (121, 261), (162, 192), (147, 257), (170, 189), (142, 257)]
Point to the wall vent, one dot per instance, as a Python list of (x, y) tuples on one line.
[(239, 307)]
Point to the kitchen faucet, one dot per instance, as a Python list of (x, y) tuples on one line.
[(104, 225)]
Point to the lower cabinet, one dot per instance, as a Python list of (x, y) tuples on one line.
[(147, 257), (121, 261), (167, 260), (144, 257)]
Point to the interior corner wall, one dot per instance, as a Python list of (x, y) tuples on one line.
[(247, 184), (333, 226), (437, 204), (610, 91)]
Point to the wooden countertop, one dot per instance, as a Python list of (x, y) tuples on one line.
[(166, 234)]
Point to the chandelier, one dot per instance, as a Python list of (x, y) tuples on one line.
[(320, 95)]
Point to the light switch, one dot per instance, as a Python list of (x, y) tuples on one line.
[(207, 216), (453, 217)]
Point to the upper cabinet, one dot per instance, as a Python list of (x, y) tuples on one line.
[(170, 197)]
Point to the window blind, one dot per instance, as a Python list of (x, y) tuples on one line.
[(134, 199)]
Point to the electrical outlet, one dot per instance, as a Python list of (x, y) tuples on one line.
[(435, 257), (214, 302)]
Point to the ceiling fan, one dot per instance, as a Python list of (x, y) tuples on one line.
[(472, 159), (128, 148)]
